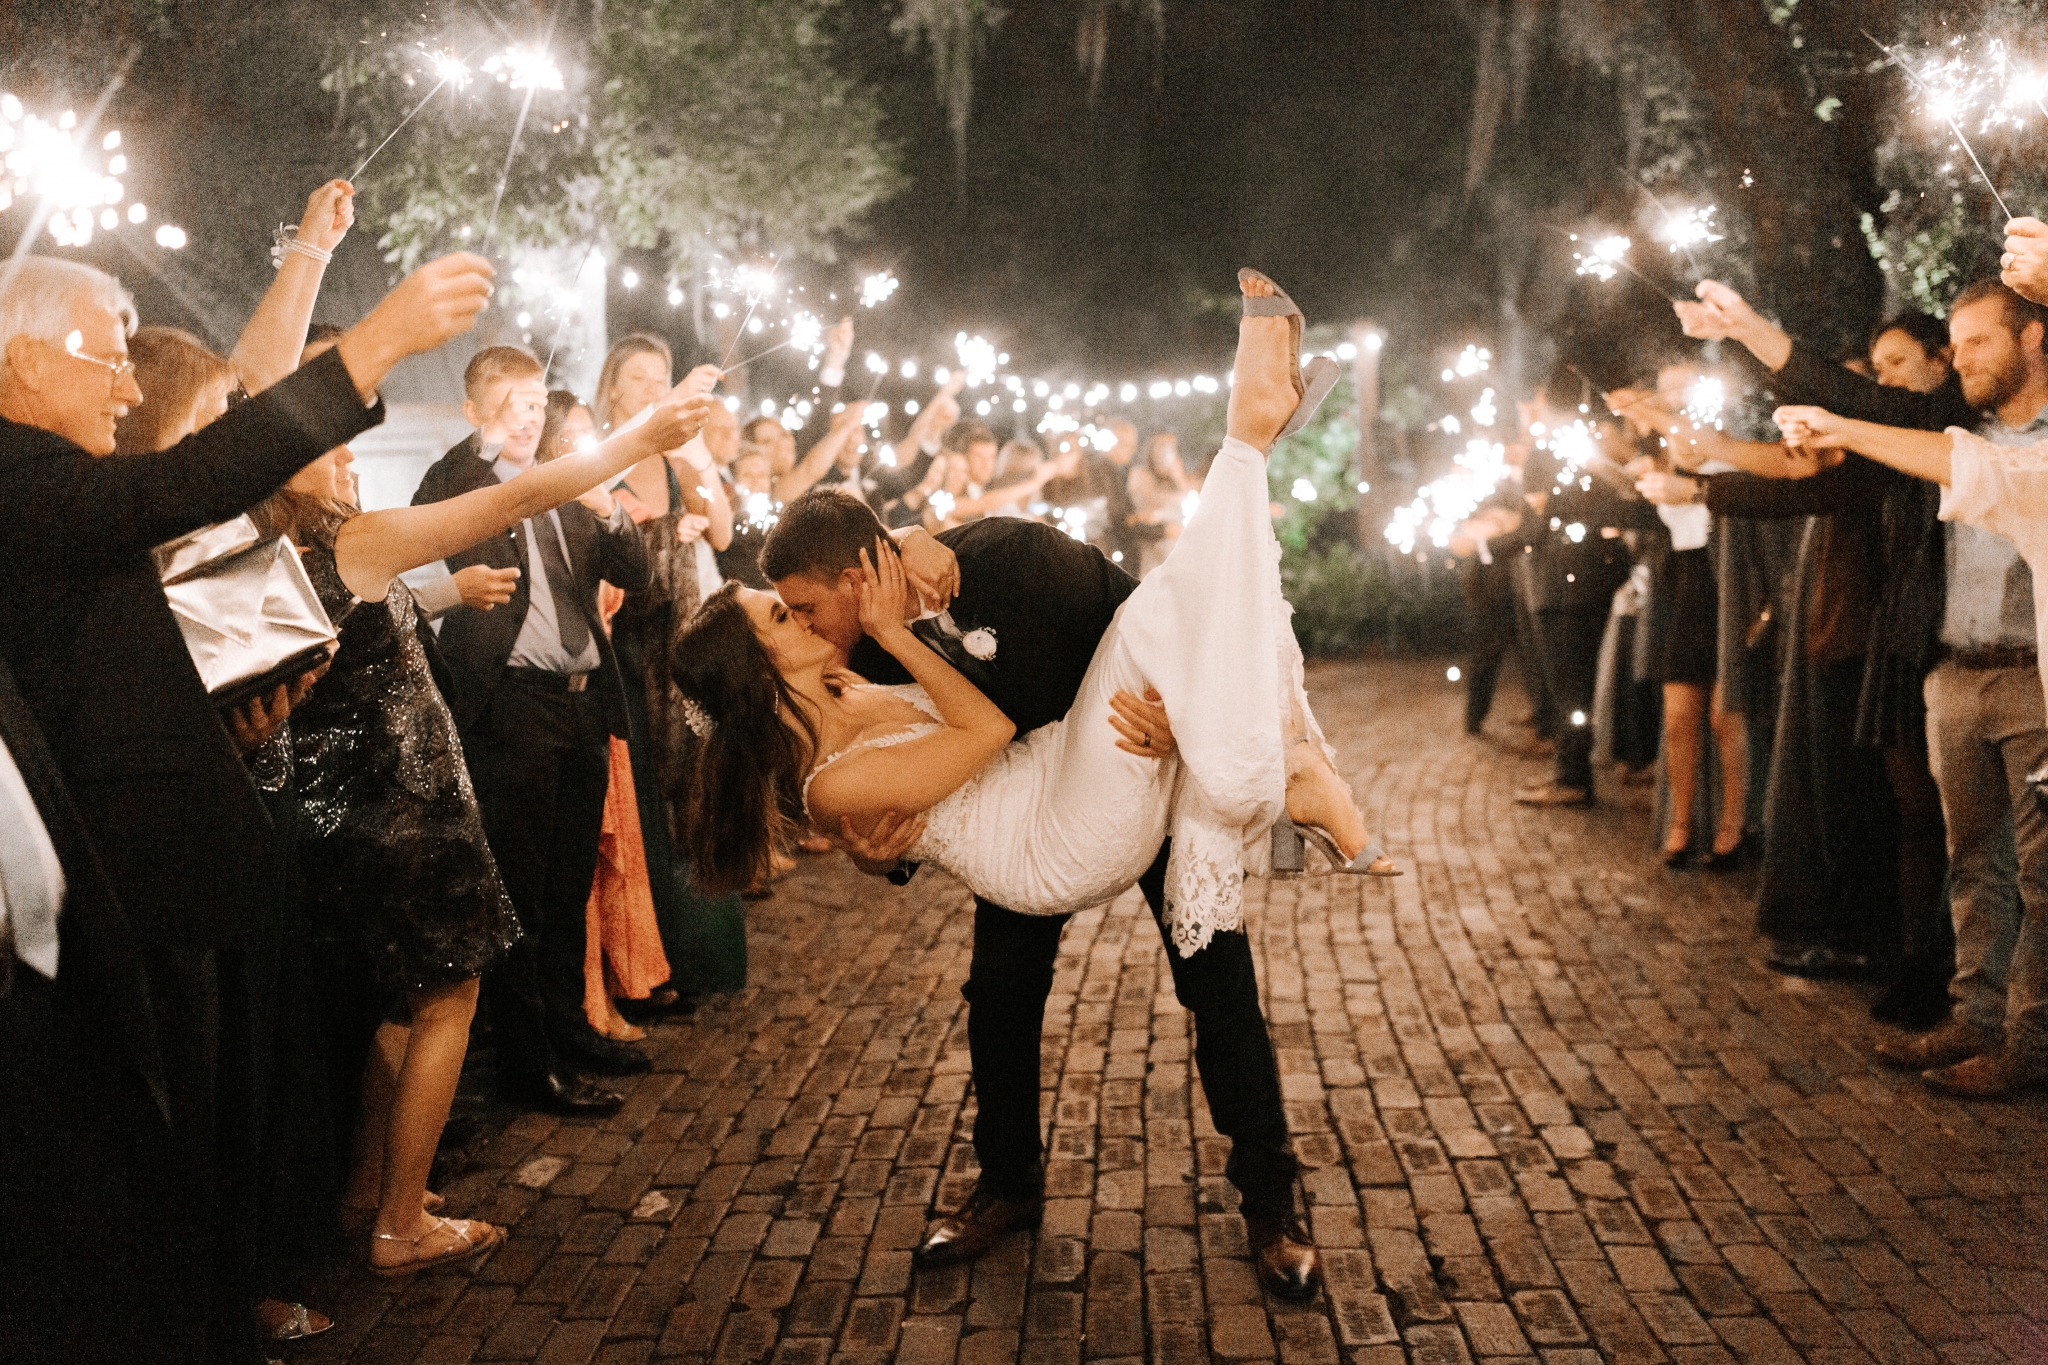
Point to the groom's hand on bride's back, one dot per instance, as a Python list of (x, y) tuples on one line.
[(1140, 724), (882, 849)]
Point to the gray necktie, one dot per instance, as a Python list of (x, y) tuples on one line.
[(561, 586), (31, 911)]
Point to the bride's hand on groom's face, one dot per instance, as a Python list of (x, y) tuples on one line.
[(1140, 724), (884, 592)]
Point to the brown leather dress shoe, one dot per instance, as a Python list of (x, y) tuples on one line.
[(982, 1222), (1954, 1041), (2001, 1074), (1286, 1260), (1553, 794)]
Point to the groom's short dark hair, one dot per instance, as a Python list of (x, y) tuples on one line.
[(820, 534)]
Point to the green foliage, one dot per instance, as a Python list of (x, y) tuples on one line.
[(685, 125), (1344, 600)]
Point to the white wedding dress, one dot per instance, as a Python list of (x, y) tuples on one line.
[(1063, 819)]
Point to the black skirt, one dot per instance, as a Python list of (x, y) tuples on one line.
[(1690, 648)]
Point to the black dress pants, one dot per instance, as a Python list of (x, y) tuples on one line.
[(1490, 632), (1571, 665), (1007, 985), (540, 759)]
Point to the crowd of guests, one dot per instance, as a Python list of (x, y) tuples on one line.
[(1822, 649), (247, 935)]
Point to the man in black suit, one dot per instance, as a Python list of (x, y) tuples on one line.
[(158, 785), (85, 1133), (536, 695), (1027, 609)]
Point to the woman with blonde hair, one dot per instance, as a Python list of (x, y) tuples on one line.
[(684, 515)]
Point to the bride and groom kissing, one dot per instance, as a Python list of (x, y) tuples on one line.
[(1009, 720)]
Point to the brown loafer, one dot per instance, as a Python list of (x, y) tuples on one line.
[(2001, 1074), (1552, 794), (1287, 1263), (982, 1222), (1957, 1040)]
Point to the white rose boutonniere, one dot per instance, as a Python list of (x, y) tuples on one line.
[(980, 643)]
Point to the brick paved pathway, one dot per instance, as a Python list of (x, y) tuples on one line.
[(1549, 1105)]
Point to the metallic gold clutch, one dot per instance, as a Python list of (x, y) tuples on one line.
[(249, 614)]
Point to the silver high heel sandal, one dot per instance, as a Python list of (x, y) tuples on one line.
[(1312, 384), (1288, 845)]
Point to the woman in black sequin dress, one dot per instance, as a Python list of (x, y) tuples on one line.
[(392, 842)]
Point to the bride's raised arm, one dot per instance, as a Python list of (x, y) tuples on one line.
[(373, 548), (918, 774)]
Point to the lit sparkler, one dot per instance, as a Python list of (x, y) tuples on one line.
[(524, 67), (1607, 258), (1705, 398), (1949, 87), (1441, 505), (1688, 228), (977, 357), (76, 186), (877, 289)]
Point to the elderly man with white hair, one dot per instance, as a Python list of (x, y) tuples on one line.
[(168, 809)]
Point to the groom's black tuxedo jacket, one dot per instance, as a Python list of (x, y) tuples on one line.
[(1046, 599)]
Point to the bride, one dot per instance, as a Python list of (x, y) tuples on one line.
[(1064, 818)]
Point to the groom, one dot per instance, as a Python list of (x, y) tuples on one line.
[(1019, 611)]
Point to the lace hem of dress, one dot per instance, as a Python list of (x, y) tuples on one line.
[(1210, 859)]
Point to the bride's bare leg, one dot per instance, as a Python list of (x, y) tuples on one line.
[(1262, 392), (1316, 795)]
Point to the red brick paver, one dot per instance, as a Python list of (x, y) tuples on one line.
[(1549, 1106)]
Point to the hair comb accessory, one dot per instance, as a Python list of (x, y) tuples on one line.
[(696, 717)]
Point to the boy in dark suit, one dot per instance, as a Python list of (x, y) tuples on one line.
[(536, 696)]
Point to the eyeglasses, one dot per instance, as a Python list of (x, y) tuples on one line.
[(117, 370)]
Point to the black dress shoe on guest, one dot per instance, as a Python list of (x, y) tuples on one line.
[(592, 1051), (566, 1093), (982, 1222), (1819, 962), (1286, 1260)]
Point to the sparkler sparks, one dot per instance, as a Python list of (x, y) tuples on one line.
[(76, 186), (877, 289), (1606, 259), (450, 69), (1705, 398), (1689, 228), (1442, 504), (525, 67), (977, 358)]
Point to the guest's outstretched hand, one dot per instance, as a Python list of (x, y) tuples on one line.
[(1668, 490), (2024, 266), (701, 380), (1810, 427), (330, 213), (1720, 312), (673, 423), (483, 587), (436, 303), (838, 346)]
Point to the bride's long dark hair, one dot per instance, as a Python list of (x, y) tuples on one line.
[(744, 786)]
